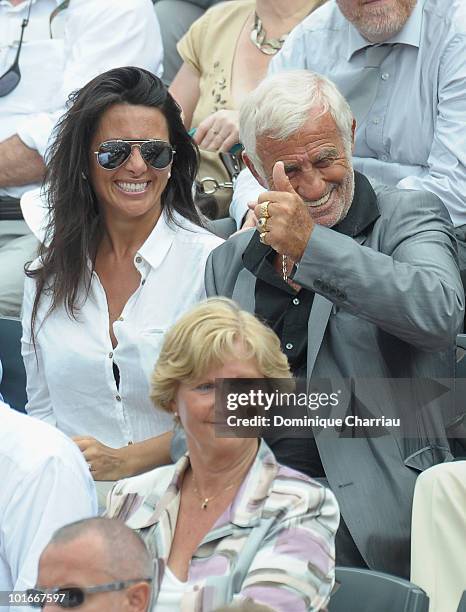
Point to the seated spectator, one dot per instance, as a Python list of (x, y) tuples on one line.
[(61, 50), (45, 483), (439, 535), (358, 284), (175, 17), (226, 53), (95, 564), (408, 95), (227, 522), (126, 257)]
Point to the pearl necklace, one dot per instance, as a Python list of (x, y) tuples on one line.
[(258, 35)]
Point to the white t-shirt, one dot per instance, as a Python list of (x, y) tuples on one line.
[(171, 592)]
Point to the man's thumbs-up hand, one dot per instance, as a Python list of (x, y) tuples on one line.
[(289, 226)]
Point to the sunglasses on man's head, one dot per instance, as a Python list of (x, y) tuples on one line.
[(73, 597), (114, 153)]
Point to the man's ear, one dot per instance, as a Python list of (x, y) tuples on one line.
[(138, 597), (254, 172), (353, 131)]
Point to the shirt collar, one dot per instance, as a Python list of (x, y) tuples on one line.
[(364, 210), (246, 508), (159, 241), (248, 505), (410, 33)]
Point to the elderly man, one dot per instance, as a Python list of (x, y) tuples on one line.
[(106, 563), (356, 283), (48, 48), (400, 64), (45, 483)]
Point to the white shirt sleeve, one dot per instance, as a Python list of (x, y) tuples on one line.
[(99, 35), (39, 404), (246, 190), (58, 492)]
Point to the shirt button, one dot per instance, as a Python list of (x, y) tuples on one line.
[(120, 319), (110, 355), (138, 259), (296, 302), (385, 76), (118, 398), (376, 121), (384, 157), (289, 346)]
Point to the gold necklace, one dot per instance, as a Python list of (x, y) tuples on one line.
[(206, 500), (258, 35)]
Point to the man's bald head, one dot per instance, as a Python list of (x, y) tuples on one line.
[(96, 552), (124, 553)]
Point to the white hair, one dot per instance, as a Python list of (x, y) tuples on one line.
[(280, 106)]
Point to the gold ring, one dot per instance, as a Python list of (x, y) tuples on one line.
[(262, 236), (265, 210), (262, 224)]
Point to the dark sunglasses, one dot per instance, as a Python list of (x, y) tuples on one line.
[(114, 153), (73, 597), (11, 78)]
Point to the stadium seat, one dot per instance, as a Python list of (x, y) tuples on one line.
[(175, 17), (462, 605), (13, 384), (460, 356), (458, 441), (363, 590)]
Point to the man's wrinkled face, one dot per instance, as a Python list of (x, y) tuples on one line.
[(317, 165), (377, 20)]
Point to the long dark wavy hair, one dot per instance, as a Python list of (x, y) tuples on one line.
[(75, 228)]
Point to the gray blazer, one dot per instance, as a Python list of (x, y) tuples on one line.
[(387, 305)]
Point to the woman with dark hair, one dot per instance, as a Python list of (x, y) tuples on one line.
[(125, 257)]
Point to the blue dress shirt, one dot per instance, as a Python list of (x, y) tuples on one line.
[(414, 134)]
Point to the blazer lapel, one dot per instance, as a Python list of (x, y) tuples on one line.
[(317, 324), (244, 292), (318, 319)]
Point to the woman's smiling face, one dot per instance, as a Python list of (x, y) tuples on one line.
[(134, 189), (195, 404)]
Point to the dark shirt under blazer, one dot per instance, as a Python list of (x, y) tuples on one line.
[(388, 304)]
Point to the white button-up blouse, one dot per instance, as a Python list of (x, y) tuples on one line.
[(70, 379)]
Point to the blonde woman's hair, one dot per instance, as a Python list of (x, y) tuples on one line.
[(207, 336)]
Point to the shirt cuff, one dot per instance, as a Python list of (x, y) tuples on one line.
[(35, 130)]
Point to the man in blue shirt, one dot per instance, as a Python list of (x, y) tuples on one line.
[(400, 64)]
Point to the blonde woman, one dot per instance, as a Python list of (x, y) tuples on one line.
[(227, 522)]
